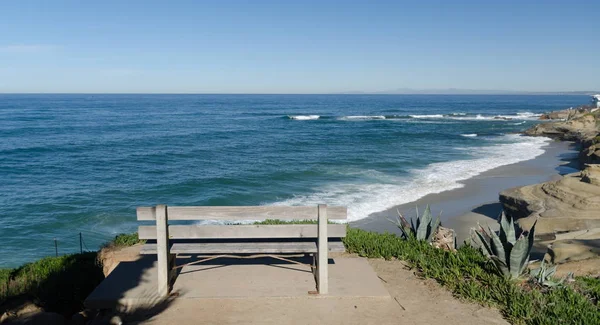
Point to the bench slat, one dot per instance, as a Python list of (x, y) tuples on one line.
[(242, 213), (243, 231), (244, 248)]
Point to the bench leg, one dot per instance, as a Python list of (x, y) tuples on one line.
[(162, 250), (322, 258)]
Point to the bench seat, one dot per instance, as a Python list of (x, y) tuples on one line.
[(245, 248)]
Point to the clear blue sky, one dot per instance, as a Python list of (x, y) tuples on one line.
[(297, 46)]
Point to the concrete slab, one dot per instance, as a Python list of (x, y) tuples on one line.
[(133, 285), (129, 285)]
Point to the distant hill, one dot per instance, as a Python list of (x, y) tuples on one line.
[(456, 91)]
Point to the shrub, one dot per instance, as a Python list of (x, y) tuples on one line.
[(509, 254), (58, 284), (544, 276), (424, 228), (125, 240)]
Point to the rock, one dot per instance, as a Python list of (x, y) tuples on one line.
[(6, 317), (569, 204), (43, 318), (19, 309), (115, 320), (106, 318), (591, 175), (577, 129), (557, 115), (82, 317), (111, 257), (574, 246), (562, 251), (444, 238), (567, 213), (590, 152), (78, 319), (589, 267)]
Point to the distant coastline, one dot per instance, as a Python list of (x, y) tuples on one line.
[(457, 91), (407, 91)]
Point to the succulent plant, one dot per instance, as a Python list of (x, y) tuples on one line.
[(424, 229), (509, 254), (544, 276)]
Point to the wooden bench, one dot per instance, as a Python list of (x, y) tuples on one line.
[(214, 241)]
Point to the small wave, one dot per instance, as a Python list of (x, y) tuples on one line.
[(519, 123), (469, 135), (428, 116), (304, 117), (363, 117), (396, 117), (458, 114)]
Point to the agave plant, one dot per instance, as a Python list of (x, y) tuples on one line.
[(509, 254), (544, 276), (424, 229)]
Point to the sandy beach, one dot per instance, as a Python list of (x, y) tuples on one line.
[(477, 200)]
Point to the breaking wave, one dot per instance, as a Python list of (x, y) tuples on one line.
[(304, 117), (369, 196), (428, 116), (523, 116), (363, 117)]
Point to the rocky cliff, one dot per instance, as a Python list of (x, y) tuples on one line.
[(569, 206), (582, 127)]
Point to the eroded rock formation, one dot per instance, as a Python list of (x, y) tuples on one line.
[(567, 209)]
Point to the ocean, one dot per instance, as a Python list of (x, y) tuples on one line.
[(72, 164)]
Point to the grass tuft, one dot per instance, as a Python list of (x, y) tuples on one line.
[(124, 240)]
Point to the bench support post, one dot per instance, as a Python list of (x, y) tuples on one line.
[(322, 248), (162, 250)]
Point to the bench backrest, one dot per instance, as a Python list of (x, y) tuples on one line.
[(322, 213)]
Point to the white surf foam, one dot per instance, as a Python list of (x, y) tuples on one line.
[(363, 117), (517, 116), (364, 198), (469, 135), (428, 116), (521, 116), (304, 117), (529, 114)]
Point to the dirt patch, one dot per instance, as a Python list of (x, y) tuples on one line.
[(426, 302)]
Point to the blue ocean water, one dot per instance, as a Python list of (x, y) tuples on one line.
[(82, 163)]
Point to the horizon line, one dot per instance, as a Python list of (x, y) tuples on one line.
[(424, 92)]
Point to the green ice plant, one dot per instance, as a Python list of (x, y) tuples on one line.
[(424, 229), (544, 276), (509, 253)]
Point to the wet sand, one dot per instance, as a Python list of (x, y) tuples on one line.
[(477, 200)]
